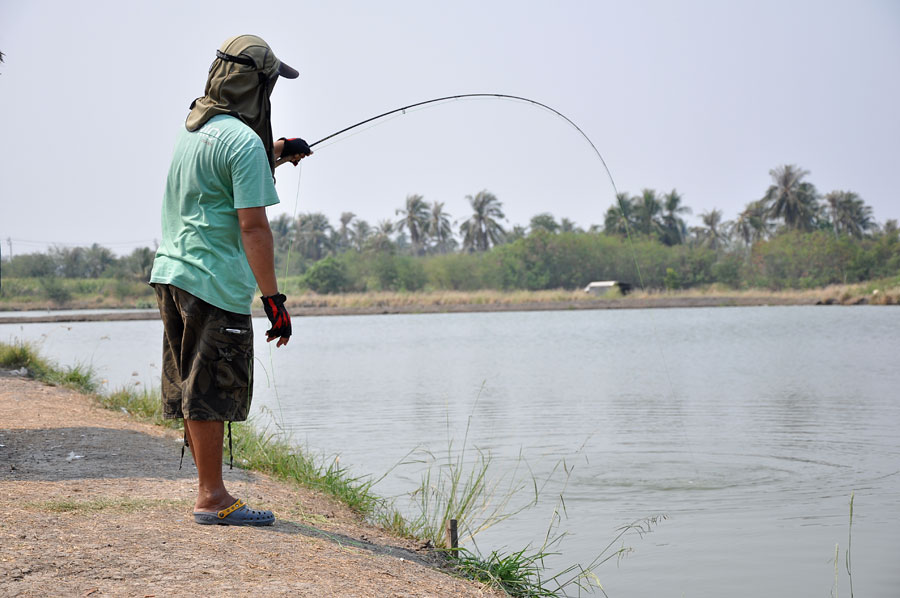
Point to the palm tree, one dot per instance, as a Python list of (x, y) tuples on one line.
[(314, 236), (792, 198), (483, 228), (344, 233), (649, 213), (620, 217), (849, 213), (440, 229), (415, 220), (360, 234), (674, 228), (283, 229), (754, 223), (381, 238), (140, 263), (714, 232)]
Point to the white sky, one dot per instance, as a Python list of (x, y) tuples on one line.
[(705, 97)]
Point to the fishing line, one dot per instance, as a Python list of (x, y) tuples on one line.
[(287, 263)]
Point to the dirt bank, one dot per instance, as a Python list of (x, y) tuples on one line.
[(299, 309), (93, 504)]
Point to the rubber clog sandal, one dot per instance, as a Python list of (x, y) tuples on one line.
[(236, 514)]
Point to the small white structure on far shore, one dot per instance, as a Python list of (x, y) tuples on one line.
[(602, 287)]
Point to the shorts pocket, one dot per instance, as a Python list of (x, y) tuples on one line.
[(235, 355)]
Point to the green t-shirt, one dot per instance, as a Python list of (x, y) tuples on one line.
[(216, 170)]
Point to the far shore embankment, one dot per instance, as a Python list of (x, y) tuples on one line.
[(308, 304)]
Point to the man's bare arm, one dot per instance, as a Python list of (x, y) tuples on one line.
[(259, 247)]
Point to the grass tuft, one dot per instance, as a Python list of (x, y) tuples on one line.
[(143, 404), (79, 377), (263, 451), (517, 574)]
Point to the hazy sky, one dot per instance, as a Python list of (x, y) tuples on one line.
[(701, 96)]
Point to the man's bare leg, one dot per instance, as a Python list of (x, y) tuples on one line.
[(205, 441)]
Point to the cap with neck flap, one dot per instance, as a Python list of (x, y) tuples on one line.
[(240, 82)]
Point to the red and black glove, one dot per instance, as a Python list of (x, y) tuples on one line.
[(278, 316), (293, 147)]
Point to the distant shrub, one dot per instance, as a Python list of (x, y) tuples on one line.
[(327, 276), (55, 290)]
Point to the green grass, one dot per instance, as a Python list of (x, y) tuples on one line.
[(46, 292), (260, 450), (517, 573), (463, 488)]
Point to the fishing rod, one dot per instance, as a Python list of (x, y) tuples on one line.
[(464, 96)]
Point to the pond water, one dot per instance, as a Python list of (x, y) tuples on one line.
[(748, 428)]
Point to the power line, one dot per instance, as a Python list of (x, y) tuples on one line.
[(82, 244)]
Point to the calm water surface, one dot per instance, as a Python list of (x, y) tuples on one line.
[(747, 427)]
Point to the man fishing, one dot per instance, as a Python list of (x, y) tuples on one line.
[(216, 250)]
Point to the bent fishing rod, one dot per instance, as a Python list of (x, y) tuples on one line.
[(499, 96)]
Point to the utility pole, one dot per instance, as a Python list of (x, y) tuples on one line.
[(9, 242)]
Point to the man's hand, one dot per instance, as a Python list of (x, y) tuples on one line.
[(291, 150), (279, 317)]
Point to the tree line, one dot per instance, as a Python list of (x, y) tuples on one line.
[(792, 236)]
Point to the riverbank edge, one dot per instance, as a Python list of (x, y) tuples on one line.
[(288, 467), (143, 520), (321, 306)]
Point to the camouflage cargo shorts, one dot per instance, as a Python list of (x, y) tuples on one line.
[(207, 358)]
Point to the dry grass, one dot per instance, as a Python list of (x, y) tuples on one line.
[(879, 292), (436, 298), (874, 293)]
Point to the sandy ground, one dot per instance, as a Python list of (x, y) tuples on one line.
[(93, 504)]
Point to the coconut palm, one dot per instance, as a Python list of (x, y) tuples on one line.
[(714, 232), (360, 233), (483, 228), (648, 212), (674, 229), (314, 236), (344, 233), (620, 217), (415, 220), (849, 213), (439, 228), (139, 263), (754, 223), (283, 229), (381, 239), (791, 198)]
